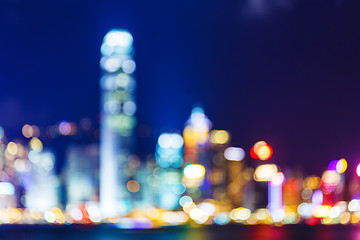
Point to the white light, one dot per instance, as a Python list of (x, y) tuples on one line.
[(22, 165), (76, 214), (122, 80), (305, 209), (278, 215), (194, 171), (176, 141), (112, 107), (128, 66), (129, 108), (203, 219), (47, 163), (354, 205), (119, 38), (110, 64), (49, 217), (334, 212), (108, 82), (6, 188), (167, 140), (94, 213), (196, 214), (234, 154), (207, 207)]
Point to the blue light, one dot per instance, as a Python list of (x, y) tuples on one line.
[(221, 219)]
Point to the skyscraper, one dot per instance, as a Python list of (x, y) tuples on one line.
[(117, 120)]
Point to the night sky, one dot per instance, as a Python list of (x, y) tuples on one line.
[(282, 71)]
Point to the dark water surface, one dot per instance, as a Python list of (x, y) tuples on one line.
[(295, 232)]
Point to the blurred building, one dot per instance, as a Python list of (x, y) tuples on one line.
[(169, 151), (41, 183), (117, 120), (196, 154), (82, 174)]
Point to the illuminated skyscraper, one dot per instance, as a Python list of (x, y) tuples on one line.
[(81, 173), (117, 120), (169, 151), (40, 183), (196, 146)]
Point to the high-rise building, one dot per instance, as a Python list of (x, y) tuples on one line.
[(117, 120), (81, 174), (196, 154), (40, 183), (169, 151)]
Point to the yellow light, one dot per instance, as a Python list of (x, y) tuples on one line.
[(12, 148), (258, 145), (16, 214), (189, 137), (355, 218), (35, 215), (36, 144), (153, 213), (133, 186), (242, 213), (345, 218), (194, 171), (321, 211), (219, 137), (261, 214), (263, 173), (327, 220), (341, 165), (264, 152), (312, 182)]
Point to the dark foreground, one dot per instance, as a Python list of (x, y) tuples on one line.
[(294, 232)]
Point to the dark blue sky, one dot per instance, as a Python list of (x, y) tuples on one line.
[(282, 71)]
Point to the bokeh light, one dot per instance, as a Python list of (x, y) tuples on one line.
[(194, 171), (358, 170), (64, 128), (27, 131), (133, 186), (36, 144), (341, 166), (12, 148), (277, 179), (261, 150), (219, 136), (234, 154), (264, 173)]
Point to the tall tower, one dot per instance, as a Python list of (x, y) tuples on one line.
[(117, 120)]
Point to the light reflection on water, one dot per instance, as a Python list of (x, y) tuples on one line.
[(294, 232)]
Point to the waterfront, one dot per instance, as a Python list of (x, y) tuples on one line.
[(259, 232)]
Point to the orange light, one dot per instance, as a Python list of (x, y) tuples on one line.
[(264, 152)]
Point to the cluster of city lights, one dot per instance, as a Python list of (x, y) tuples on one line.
[(193, 178), (196, 176)]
